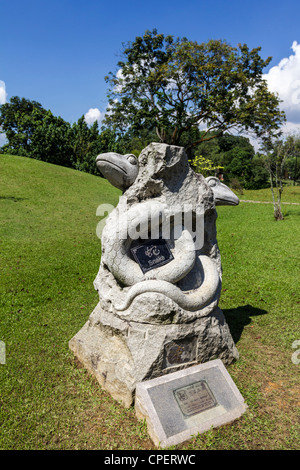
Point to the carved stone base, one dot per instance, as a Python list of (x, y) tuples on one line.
[(120, 353)]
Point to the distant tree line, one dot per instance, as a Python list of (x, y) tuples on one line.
[(164, 90), (34, 132)]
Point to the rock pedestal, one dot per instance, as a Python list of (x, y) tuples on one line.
[(150, 322), (120, 353)]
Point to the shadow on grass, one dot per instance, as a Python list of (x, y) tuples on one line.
[(12, 198), (291, 214), (238, 318)]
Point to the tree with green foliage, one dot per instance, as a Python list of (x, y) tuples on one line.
[(18, 120), (35, 132), (52, 141), (173, 85), (292, 164), (203, 165), (84, 143), (259, 177), (236, 155), (276, 154)]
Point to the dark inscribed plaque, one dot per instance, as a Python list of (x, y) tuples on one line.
[(152, 254), (194, 398), (180, 351)]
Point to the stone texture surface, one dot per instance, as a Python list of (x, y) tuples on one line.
[(147, 325), (121, 353)]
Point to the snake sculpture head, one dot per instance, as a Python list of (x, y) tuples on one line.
[(122, 170), (119, 170), (156, 187), (223, 195)]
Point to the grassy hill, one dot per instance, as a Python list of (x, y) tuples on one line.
[(49, 257)]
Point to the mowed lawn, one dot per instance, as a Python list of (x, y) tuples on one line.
[(50, 255)]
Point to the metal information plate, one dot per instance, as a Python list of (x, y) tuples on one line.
[(194, 398), (152, 254), (180, 351)]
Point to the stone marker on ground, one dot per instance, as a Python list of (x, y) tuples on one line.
[(179, 405)]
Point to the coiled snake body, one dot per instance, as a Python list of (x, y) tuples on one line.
[(162, 172), (162, 279)]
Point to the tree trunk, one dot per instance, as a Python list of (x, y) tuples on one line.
[(277, 205)]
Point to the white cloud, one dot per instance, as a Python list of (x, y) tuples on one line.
[(3, 94), (2, 140), (290, 128), (284, 79), (119, 74), (93, 114)]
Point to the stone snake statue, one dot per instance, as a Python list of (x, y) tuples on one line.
[(125, 269), (149, 195)]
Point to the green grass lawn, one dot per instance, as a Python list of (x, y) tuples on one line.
[(290, 194), (50, 255)]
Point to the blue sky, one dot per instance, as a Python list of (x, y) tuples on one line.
[(57, 52)]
